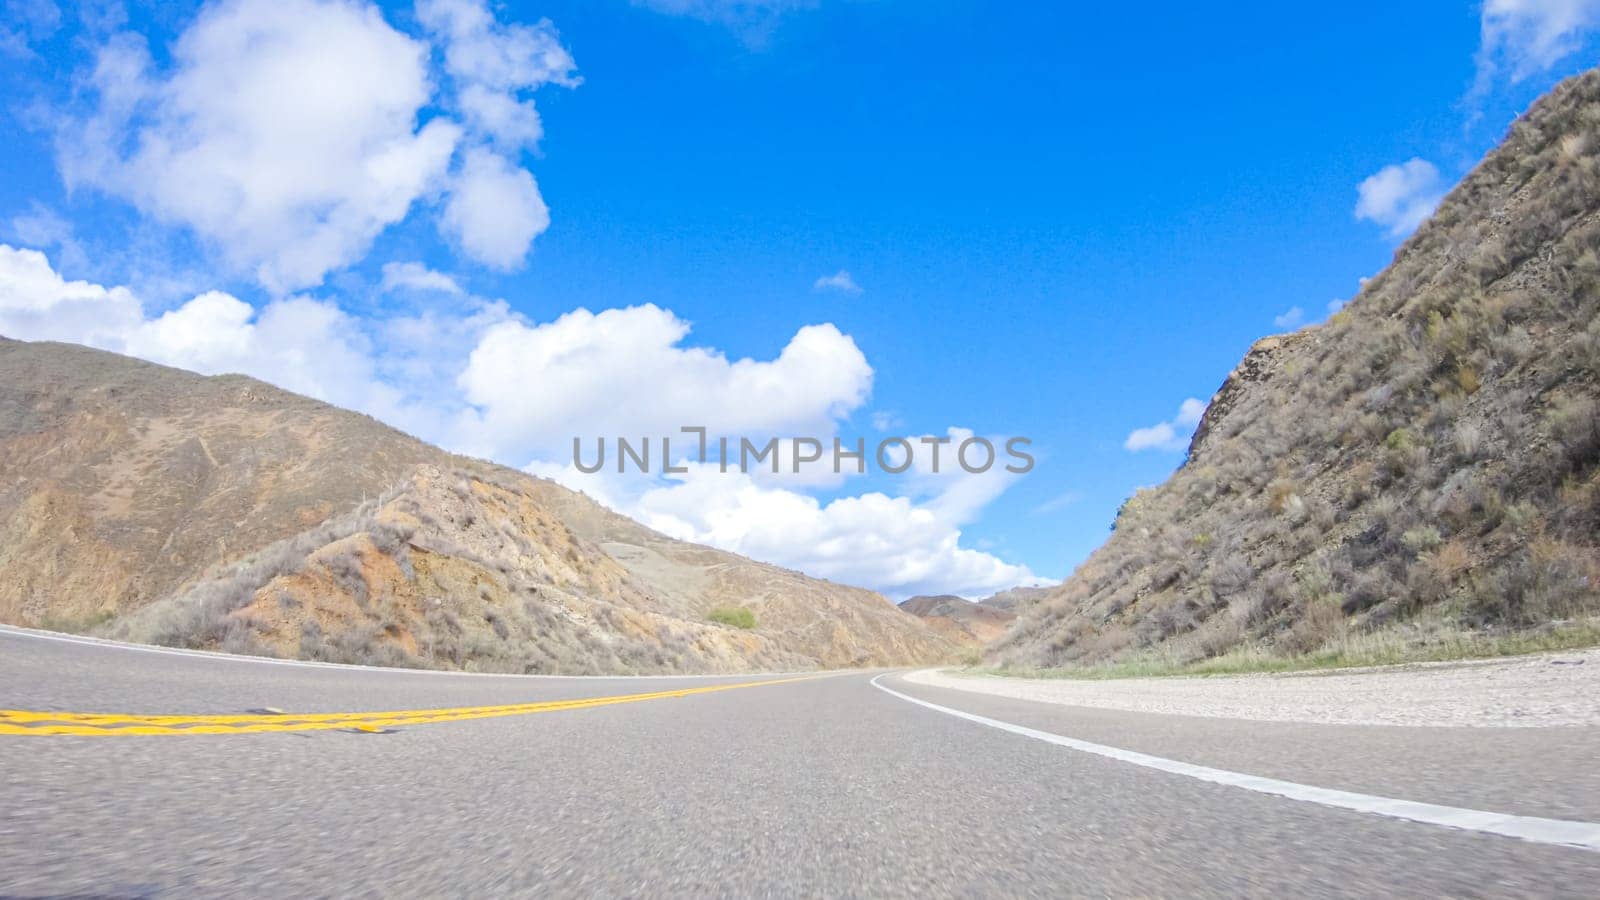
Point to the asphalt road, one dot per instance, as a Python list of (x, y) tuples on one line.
[(821, 786)]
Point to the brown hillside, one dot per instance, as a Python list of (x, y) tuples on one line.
[(155, 504), (961, 620)]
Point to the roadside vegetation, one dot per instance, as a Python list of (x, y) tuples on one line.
[(448, 570), (733, 616), (1359, 651), (1417, 478)]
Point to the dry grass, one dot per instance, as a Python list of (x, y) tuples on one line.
[(1381, 649)]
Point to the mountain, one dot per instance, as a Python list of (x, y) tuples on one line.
[(959, 619), (1421, 467), (1015, 600), (153, 504)]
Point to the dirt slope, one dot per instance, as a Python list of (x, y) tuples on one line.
[(156, 504)]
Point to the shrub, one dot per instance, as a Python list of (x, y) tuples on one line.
[(1546, 581), (1469, 442), (1320, 621), (733, 616), (1575, 427), (1421, 539)]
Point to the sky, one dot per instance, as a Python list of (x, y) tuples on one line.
[(503, 226)]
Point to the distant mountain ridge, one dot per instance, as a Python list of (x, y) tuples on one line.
[(154, 504), (1424, 466), (961, 620)]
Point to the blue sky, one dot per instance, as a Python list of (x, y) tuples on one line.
[(1057, 221)]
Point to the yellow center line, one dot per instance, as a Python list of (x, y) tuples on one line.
[(44, 722)]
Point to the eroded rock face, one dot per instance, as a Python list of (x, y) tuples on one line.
[(153, 504), (1258, 364), (1423, 465)]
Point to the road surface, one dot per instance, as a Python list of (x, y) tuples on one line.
[(732, 786)]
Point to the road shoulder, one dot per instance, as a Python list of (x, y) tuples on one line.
[(1543, 690)]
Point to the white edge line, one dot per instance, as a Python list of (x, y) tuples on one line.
[(1558, 832), (38, 634)]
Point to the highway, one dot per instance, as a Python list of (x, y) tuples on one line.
[(131, 772)]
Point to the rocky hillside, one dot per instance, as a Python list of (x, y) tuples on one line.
[(153, 504), (1422, 465), (962, 621)]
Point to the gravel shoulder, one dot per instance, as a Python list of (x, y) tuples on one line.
[(1516, 692)]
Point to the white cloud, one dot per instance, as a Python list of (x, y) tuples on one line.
[(38, 304), (494, 64), (484, 52), (285, 133), (494, 211), (883, 420), (41, 227), (1290, 318), (1399, 197), (1189, 413), (303, 345), (839, 282), (1168, 436), (1522, 38), (1161, 436), (622, 372), (509, 123), (893, 544), (414, 276), (288, 134)]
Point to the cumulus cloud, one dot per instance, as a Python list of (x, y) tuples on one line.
[(414, 276), (891, 543), (285, 133), (304, 345), (494, 211), (38, 304), (839, 282), (1399, 197), (1290, 318), (1190, 412), (494, 64), (1170, 435), (1160, 436), (624, 372), (1522, 38), (288, 134)]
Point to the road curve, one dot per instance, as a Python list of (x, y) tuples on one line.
[(725, 786)]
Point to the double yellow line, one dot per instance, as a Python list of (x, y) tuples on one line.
[(43, 722)]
